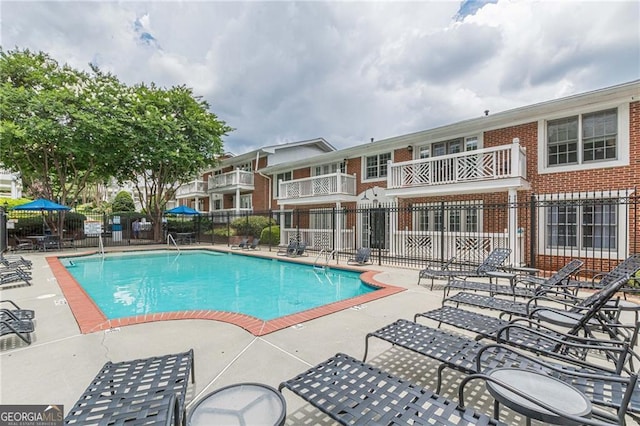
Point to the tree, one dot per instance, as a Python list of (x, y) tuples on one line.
[(59, 126), (123, 202), (174, 137)]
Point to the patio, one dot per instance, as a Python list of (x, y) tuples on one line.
[(60, 363)]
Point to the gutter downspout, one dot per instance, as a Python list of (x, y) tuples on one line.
[(264, 176)]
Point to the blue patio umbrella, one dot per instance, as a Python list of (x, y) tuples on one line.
[(182, 210), (42, 205)]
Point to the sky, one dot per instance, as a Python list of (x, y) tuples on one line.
[(281, 72)]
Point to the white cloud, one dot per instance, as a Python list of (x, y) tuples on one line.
[(345, 71)]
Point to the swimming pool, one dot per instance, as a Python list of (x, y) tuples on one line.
[(131, 284)]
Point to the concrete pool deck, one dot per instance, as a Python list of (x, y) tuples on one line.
[(61, 361)]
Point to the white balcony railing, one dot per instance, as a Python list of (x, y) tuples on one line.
[(231, 180), (195, 188), (507, 161), (331, 184)]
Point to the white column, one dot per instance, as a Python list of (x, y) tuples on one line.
[(393, 229), (513, 228), (339, 225), (282, 234)]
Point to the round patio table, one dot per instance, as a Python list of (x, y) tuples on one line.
[(240, 404), (542, 387)]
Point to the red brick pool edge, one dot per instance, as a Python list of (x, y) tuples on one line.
[(91, 319)]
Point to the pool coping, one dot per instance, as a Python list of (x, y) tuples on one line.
[(90, 318)]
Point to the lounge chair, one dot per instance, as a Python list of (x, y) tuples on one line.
[(495, 259), (288, 250), (9, 275), (298, 251), (553, 282), (15, 260), (23, 244), (9, 325), (602, 385), (142, 391), (362, 257), (582, 314), (241, 245), (253, 245), (354, 393), (16, 311)]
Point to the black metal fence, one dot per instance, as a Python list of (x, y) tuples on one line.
[(543, 231)]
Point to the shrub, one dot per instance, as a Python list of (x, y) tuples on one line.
[(272, 237), (123, 202), (251, 226)]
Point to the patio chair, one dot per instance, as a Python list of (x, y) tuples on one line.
[(493, 261), (288, 250), (362, 257), (604, 386), (299, 251), (577, 314), (10, 275), (241, 245), (49, 242), (23, 244), (16, 311), (253, 245), (142, 391), (15, 260), (10, 325), (556, 281), (354, 393)]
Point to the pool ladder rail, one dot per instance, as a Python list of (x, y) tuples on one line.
[(170, 240), (327, 257)]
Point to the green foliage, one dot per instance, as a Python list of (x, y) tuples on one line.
[(222, 232), (634, 282), (180, 225), (270, 235), (74, 221), (251, 226), (123, 202), (30, 225), (10, 203)]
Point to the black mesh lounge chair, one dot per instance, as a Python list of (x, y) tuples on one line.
[(354, 393), (603, 386), (553, 282), (10, 275), (14, 260), (362, 257), (289, 250), (299, 251), (17, 311), (582, 315), (143, 391), (495, 259), (253, 245), (9, 325), (241, 245), (24, 244)]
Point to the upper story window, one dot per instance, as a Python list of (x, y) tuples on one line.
[(245, 167), (452, 146), (376, 165), (583, 138), (326, 169), (281, 177)]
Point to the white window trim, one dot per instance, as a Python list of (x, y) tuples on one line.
[(623, 220), (622, 148), (428, 144), (276, 182), (363, 167), (479, 204)]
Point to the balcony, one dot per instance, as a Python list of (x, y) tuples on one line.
[(331, 188), (231, 182), (195, 189), (484, 170)]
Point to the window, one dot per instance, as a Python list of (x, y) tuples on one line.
[(321, 218), (452, 146), (457, 217), (326, 169), (281, 177), (583, 138), (584, 225), (376, 165), (245, 166), (217, 204), (245, 201)]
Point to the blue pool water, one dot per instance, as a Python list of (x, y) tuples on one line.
[(130, 284)]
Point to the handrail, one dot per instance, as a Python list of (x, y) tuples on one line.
[(171, 239), (328, 256), (101, 245)]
